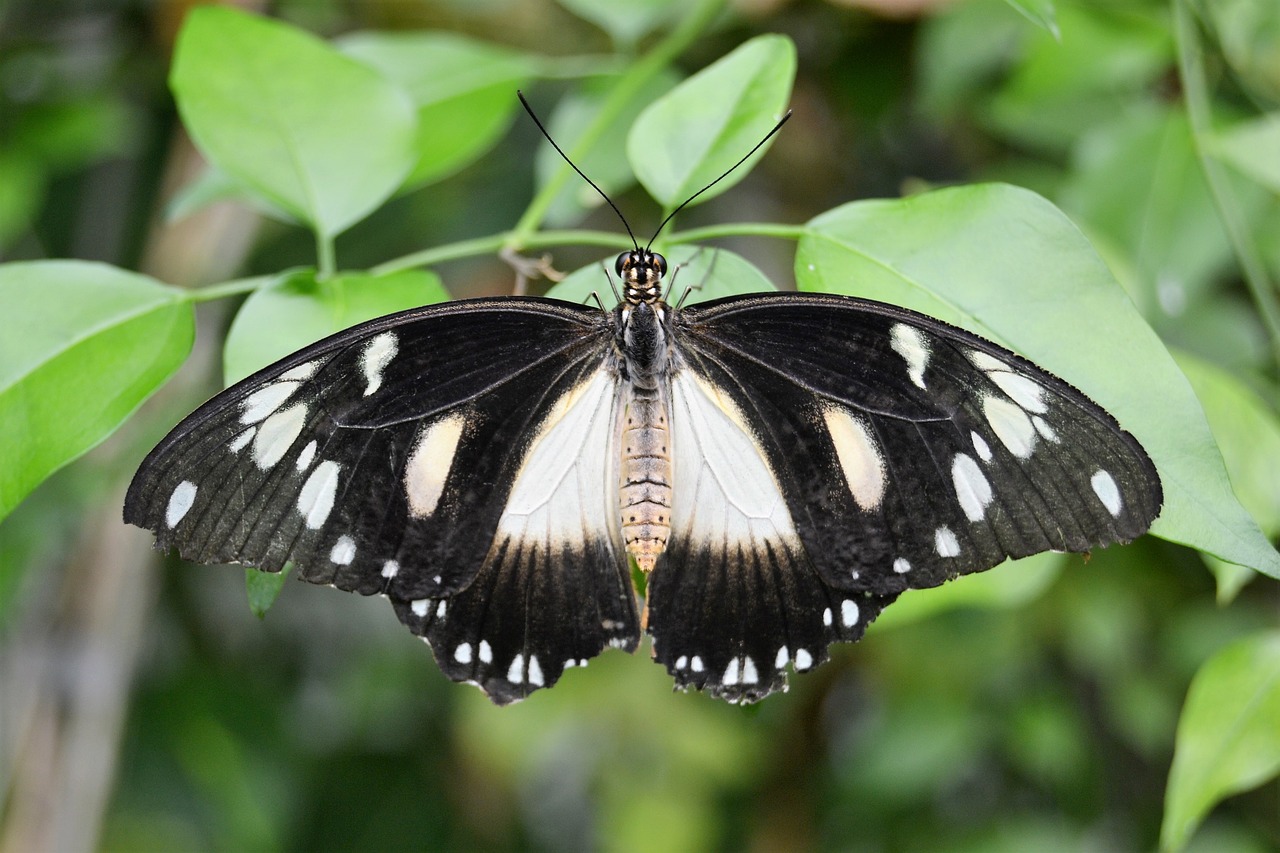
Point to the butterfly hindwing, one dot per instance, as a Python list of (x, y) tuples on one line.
[(875, 450), (418, 456)]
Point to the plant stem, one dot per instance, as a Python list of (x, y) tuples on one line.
[(326, 263), (236, 287), (739, 229), (611, 111), (1199, 115), (495, 243)]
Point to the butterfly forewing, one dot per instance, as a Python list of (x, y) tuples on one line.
[(854, 450), (460, 447)]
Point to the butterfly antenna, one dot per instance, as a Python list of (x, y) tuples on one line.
[(560, 151), (685, 203)]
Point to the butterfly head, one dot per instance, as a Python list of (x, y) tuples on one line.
[(641, 272)]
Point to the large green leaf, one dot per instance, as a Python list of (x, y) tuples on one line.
[(1228, 736), (464, 91), (706, 273), (689, 137), (318, 134), (1006, 264), (278, 320), (1248, 432), (84, 344)]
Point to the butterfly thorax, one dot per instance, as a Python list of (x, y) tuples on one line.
[(643, 340)]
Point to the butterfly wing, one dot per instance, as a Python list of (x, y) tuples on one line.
[(455, 458), (860, 450)]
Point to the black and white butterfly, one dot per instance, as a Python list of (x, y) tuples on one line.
[(780, 466), (784, 464)]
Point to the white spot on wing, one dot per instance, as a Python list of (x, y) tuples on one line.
[(1104, 486), (486, 652), (972, 487), (980, 445), (315, 500), (266, 400), (344, 551), (859, 456), (804, 660), (1042, 427), (238, 443), (307, 456), (901, 566), (535, 671), (277, 434), (945, 542), (390, 569), (375, 358), (696, 664), (1025, 392), (300, 373), (420, 607), (462, 654), (781, 659), (910, 343), (1011, 425), (682, 661), (184, 495), (749, 673), (515, 674), (986, 362), (442, 608), (731, 673), (428, 467), (826, 617), (848, 613)]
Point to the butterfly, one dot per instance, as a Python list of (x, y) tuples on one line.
[(779, 468)]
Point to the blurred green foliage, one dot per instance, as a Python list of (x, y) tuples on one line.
[(1031, 708)]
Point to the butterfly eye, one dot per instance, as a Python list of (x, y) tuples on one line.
[(660, 263), (621, 263)]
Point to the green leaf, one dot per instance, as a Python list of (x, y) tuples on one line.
[(1006, 264), (706, 272), (297, 311), (689, 137), (263, 588), (322, 136), (464, 91), (1253, 147), (1137, 181), (1229, 734), (1248, 432), (1009, 585), (1039, 12), (212, 186), (84, 344), (1106, 64), (605, 161), (626, 21), (1248, 32)]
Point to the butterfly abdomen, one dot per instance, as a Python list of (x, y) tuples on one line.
[(646, 477)]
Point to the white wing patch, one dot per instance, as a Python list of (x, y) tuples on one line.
[(859, 456), (428, 466), (375, 358), (184, 495), (725, 494), (910, 343), (564, 490)]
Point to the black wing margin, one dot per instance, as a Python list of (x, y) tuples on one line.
[(381, 460), (907, 452)]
